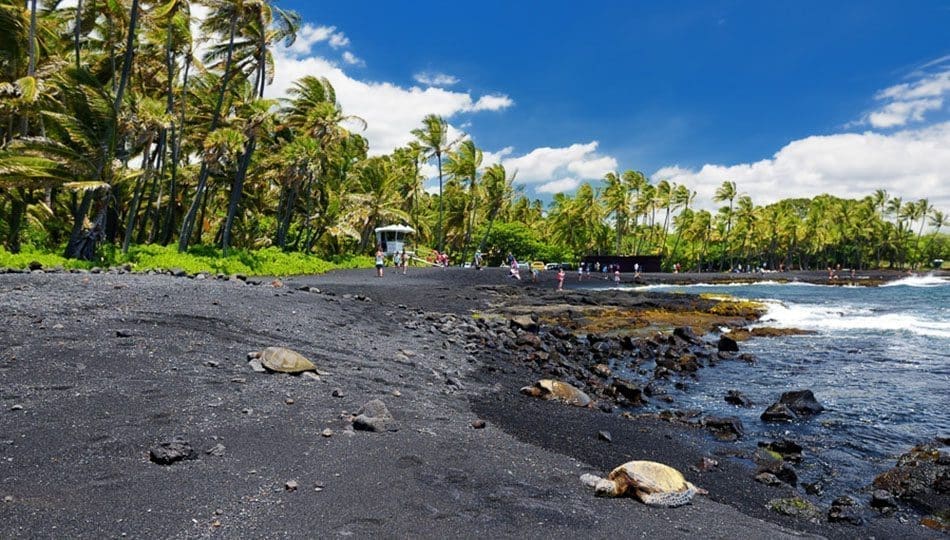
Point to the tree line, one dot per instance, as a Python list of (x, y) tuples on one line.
[(114, 128)]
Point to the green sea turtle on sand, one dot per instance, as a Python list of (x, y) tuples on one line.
[(557, 390), (282, 360), (653, 483)]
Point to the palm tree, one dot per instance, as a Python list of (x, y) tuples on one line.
[(433, 136), (618, 202), (463, 164), (498, 192), (726, 192)]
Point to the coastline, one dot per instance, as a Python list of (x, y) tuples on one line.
[(93, 402)]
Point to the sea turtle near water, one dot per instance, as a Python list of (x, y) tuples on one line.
[(282, 360), (557, 390), (655, 484)]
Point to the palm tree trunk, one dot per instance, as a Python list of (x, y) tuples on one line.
[(438, 156), (189, 221), (137, 196), (129, 53), (236, 188), (77, 31), (177, 136)]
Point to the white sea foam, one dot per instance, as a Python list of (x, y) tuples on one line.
[(928, 280), (831, 319), (666, 286)]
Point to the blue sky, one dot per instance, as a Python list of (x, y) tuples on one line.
[(787, 99)]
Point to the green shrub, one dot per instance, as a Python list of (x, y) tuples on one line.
[(264, 262)]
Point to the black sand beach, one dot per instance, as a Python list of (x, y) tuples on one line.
[(96, 369)]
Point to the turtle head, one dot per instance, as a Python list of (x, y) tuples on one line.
[(606, 488)]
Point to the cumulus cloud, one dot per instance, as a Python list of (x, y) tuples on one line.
[(558, 186), (390, 110), (352, 59), (910, 101), (309, 35), (912, 163), (546, 164), (435, 79)]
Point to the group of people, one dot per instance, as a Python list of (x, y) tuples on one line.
[(400, 260)]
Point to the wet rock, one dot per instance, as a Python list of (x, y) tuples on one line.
[(736, 397), (168, 452), (374, 416), (768, 479), (727, 344), (602, 370), (772, 462), (724, 428), (788, 449), (629, 391), (883, 501), (922, 477), (707, 464), (778, 412), (795, 507), (529, 340), (686, 334), (843, 510), (801, 402)]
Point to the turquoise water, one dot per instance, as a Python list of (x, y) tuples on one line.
[(879, 363)]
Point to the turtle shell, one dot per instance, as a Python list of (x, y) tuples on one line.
[(285, 360), (557, 390), (653, 483)]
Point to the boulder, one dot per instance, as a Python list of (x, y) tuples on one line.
[(528, 323), (801, 402), (727, 344), (686, 334), (168, 452), (778, 412), (736, 397), (843, 510), (789, 450), (374, 416), (628, 390), (922, 477), (725, 428)]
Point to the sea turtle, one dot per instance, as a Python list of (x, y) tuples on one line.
[(561, 391), (282, 360), (653, 483)]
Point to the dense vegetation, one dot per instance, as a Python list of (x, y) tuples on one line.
[(116, 133)]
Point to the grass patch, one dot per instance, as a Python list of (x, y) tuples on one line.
[(264, 262)]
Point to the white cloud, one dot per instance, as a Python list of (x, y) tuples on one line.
[(352, 59), (909, 102), (558, 186), (547, 164), (435, 79), (494, 102), (309, 35), (912, 164), (391, 111)]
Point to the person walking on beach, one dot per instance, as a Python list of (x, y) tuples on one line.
[(405, 262), (560, 278), (580, 271), (617, 273), (397, 260), (380, 261)]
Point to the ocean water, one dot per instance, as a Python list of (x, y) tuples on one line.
[(879, 363)]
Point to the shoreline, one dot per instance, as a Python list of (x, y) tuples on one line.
[(122, 395)]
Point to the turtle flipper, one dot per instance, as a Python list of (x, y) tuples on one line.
[(669, 499)]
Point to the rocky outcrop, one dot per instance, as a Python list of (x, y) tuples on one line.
[(791, 406), (922, 478)]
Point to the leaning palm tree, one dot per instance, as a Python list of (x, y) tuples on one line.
[(498, 192), (617, 200), (433, 136)]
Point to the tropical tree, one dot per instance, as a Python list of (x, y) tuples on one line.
[(433, 137)]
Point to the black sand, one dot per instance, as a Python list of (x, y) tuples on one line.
[(80, 407)]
